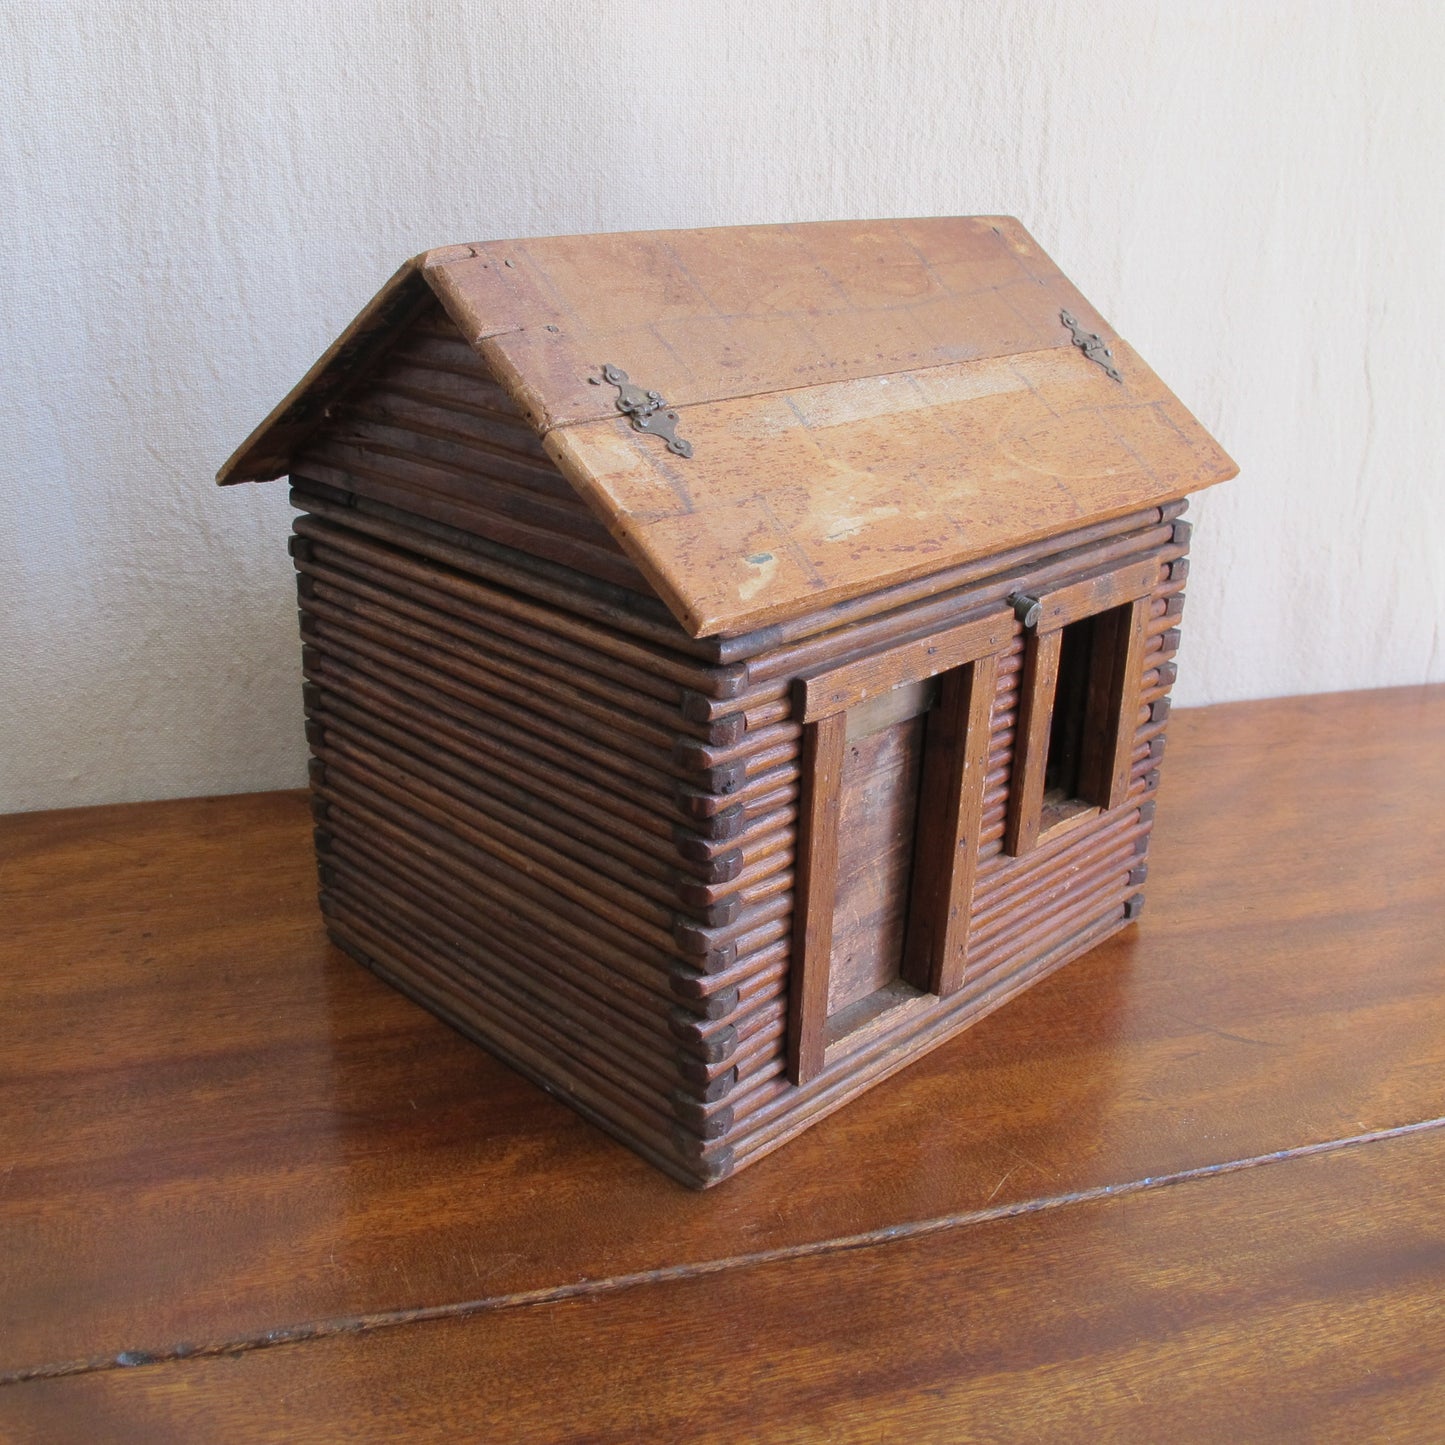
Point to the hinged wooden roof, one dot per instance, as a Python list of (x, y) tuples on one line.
[(866, 401)]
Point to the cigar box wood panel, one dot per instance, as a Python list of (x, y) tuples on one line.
[(877, 819), (823, 760), (786, 505), (543, 358), (941, 887), (844, 688), (714, 314)]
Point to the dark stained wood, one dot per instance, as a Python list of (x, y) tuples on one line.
[(1036, 707), (616, 620), (950, 589), (876, 826), (438, 457), (847, 686), (457, 561), (1115, 696), (1267, 1303), (1063, 605), (951, 813), (824, 745), (447, 773)]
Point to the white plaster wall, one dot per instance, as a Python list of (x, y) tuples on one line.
[(195, 197)]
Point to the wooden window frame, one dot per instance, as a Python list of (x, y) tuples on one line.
[(1112, 705), (954, 766)]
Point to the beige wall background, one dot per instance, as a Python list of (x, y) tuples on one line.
[(197, 196)]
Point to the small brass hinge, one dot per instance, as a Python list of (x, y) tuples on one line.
[(646, 409), (1091, 344)]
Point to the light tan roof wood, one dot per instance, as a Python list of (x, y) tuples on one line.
[(714, 314), (868, 401), (799, 499)]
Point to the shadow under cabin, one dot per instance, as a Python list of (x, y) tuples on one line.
[(736, 660)]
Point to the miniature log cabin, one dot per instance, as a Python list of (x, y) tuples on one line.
[(736, 660)]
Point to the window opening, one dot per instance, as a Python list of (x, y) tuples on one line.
[(1085, 723), (1079, 695), (1068, 736)]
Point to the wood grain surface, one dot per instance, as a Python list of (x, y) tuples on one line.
[(797, 499), (867, 402), (234, 1167), (708, 315), (1270, 1303)]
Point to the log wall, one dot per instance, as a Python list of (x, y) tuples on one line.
[(555, 820)]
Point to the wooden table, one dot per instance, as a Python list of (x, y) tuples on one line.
[(1188, 1188)]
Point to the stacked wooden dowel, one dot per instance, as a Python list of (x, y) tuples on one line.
[(589, 867)]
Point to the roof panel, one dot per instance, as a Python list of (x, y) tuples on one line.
[(798, 499), (713, 314), (868, 401)]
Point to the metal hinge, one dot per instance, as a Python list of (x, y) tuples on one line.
[(646, 409), (1092, 345)]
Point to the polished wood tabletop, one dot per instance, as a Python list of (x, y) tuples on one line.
[(1188, 1188)]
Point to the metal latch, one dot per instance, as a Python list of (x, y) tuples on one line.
[(646, 409)]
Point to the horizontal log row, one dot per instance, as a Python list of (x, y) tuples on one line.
[(612, 618), (793, 1110), (412, 968), (470, 721), (1033, 564), (1147, 752), (530, 833), (645, 618), (546, 957), (431, 432), (763, 1095), (1051, 876)]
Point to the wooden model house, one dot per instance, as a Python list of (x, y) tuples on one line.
[(736, 660)]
